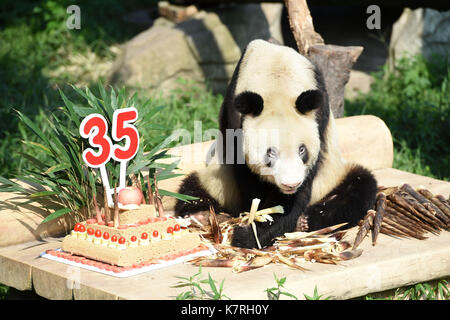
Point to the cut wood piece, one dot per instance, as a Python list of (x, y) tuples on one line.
[(301, 24), (335, 63)]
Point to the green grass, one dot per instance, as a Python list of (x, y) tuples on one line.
[(414, 103)]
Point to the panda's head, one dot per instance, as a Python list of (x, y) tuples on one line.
[(280, 102)]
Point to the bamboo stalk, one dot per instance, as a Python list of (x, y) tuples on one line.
[(378, 219), (445, 210), (149, 190), (401, 228), (427, 214), (106, 207), (158, 198), (400, 219), (97, 210), (365, 227), (399, 200), (429, 205), (116, 208), (410, 216)]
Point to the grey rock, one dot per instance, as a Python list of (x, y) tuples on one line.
[(204, 49), (425, 31)]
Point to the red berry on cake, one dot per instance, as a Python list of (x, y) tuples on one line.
[(176, 227), (155, 233), (106, 235), (114, 238), (98, 233), (133, 238), (81, 228), (169, 230), (144, 235), (121, 240)]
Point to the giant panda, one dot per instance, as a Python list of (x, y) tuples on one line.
[(279, 144)]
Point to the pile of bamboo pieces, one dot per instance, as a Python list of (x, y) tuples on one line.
[(405, 213)]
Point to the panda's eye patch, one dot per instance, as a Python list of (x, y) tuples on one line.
[(309, 100), (303, 152), (270, 157), (249, 103)]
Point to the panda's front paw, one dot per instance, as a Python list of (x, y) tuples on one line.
[(244, 237), (302, 223)]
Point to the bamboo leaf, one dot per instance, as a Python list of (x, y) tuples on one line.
[(57, 214)]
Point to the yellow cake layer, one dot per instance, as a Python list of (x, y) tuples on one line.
[(130, 255), (134, 216)]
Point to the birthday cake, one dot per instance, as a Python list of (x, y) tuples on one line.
[(141, 237)]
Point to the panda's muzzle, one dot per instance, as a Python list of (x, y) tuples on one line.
[(289, 188)]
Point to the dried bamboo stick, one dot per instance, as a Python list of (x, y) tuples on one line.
[(426, 193), (378, 219), (149, 190), (158, 198), (365, 227), (106, 206), (429, 205), (116, 208)]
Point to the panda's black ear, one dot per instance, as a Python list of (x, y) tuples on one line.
[(309, 100), (249, 103)]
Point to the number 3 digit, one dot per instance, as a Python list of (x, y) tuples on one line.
[(123, 130), (94, 127)]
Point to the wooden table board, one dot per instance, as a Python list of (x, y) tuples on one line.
[(391, 263)]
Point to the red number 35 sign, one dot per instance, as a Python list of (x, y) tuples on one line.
[(95, 128)]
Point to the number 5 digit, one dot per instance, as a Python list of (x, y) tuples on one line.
[(123, 130)]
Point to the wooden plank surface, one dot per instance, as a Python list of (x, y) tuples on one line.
[(391, 263)]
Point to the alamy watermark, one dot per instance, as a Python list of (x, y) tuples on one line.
[(374, 20), (74, 20)]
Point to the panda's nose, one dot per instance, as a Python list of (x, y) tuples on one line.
[(290, 185)]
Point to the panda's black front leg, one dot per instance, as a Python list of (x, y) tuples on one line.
[(243, 235), (348, 202)]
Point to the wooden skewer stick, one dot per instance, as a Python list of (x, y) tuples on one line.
[(106, 207), (140, 188), (97, 210), (116, 208), (149, 190), (158, 198)]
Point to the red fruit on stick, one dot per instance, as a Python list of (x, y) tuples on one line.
[(144, 236), (106, 235), (130, 195)]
